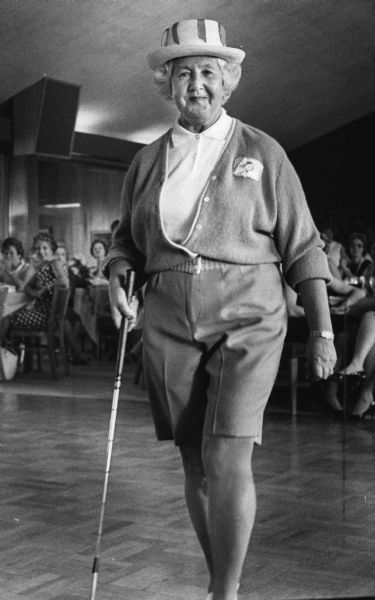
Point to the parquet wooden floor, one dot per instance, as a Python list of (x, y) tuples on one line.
[(314, 535)]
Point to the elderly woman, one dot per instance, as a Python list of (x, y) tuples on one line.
[(209, 212), (16, 271)]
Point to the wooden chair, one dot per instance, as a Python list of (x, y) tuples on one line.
[(137, 353), (38, 340), (3, 301), (105, 328), (294, 352)]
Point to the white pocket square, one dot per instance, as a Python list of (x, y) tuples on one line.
[(244, 166)]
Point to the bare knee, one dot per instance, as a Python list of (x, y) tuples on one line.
[(228, 458)]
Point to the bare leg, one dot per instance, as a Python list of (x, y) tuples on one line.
[(196, 499), (331, 387), (231, 509), (364, 341), (366, 394), (330, 393)]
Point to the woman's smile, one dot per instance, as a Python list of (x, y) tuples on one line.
[(198, 91)]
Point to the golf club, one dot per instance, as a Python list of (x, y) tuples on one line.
[(129, 286)]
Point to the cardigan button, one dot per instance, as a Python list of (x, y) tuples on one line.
[(206, 199), (199, 227), (213, 177)]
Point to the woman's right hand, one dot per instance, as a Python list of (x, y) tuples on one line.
[(7, 267), (344, 264), (119, 303)]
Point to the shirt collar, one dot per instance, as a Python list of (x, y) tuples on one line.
[(218, 131)]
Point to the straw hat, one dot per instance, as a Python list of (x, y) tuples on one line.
[(194, 37)]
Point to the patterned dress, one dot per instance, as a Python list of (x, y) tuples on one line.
[(35, 314)]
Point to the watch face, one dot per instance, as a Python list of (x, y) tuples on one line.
[(327, 335)]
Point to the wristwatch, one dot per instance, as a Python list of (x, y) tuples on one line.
[(326, 335)]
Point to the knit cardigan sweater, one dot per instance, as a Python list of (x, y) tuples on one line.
[(240, 219)]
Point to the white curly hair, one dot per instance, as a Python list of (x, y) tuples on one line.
[(231, 77)]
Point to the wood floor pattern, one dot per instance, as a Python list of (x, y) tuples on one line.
[(314, 535)]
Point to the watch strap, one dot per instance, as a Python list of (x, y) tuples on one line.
[(322, 333)]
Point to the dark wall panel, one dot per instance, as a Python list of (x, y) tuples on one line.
[(44, 117), (337, 173), (96, 189)]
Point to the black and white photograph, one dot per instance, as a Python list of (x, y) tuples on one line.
[(187, 299)]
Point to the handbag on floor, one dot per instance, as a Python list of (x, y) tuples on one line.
[(8, 363)]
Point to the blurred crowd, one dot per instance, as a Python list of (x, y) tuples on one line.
[(351, 293), (35, 272)]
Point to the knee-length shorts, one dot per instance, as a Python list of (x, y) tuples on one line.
[(212, 347)]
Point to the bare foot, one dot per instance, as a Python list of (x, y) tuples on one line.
[(363, 403), (353, 367)]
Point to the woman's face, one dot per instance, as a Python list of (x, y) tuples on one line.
[(12, 257), (197, 89), (327, 237), (326, 240), (98, 251), (61, 255), (43, 250), (356, 249)]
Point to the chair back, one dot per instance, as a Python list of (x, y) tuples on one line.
[(3, 299), (101, 301), (59, 306), (3, 303)]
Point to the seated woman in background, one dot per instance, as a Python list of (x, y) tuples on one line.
[(363, 361), (98, 251), (73, 325), (343, 299), (78, 273), (334, 250), (39, 288), (15, 270), (358, 263), (357, 331), (61, 253)]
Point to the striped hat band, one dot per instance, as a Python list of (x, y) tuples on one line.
[(202, 31), (194, 37)]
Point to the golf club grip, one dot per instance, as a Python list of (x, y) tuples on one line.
[(129, 288), (129, 284)]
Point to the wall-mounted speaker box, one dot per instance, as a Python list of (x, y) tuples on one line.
[(44, 116)]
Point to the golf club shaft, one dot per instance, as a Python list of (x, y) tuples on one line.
[(129, 286)]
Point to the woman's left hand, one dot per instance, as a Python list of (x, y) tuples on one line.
[(321, 357), (56, 264)]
